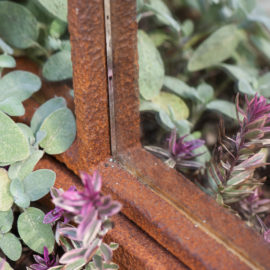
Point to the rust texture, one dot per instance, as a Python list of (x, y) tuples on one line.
[(125, 72), (86, 27), (198, 205), (136, 249), (160, 201)]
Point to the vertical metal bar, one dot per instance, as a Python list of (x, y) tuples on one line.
[(88, 50), (108, 31)]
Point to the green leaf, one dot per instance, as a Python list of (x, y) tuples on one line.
[(21, 169), (264, 85), (225, 107), (57, 28), (222, 42), (12, 106), (19, 84), (18, 27), (237, 72), (45, 110), (262, 44), (58, 67), (245, 88), (6, 221), (34, 232), (6, 199), (38, 183), (205, 92), (180, 88), (27, 131), (5, 47), (187, 28), (163, 14), (56, 7), (151, 67), (60, 128), (7, 61), (159, 37), (165, 120), (17, 191), (13, 144), (178, 106), (11, 246), (149, 106)]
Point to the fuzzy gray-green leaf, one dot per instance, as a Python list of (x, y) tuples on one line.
[(216, 48), (34, 232), (7, 61), (225, 107), (38, 183), (18, 27), (17, 191), (11, 246), (6, 221), (6, 200), (56, 7), (19, 84), (45, 110), (58, 67), (151, 71), (13, 144), (22, 169), (60, 128)]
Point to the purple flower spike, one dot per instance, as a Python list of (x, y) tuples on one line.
[(88, 207), (180, 152), (58, 212), (45, 262)]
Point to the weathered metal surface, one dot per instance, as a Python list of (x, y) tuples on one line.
[(159, 200), (198, 206), (87, 36), (136, 249), (125, 73)]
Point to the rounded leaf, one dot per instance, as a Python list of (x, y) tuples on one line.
[(7, 61), (6, 200), (216, 48), (151, 67), (56, 7), (45, 110), (38, 183), (23, 168), (14, 145), (19, 84), (18, 26), (6, 221), (11, 246), (35, 234), (60, 128), (58, 67), (17, 191), (168, 102)]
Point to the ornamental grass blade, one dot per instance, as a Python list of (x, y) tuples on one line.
[(239, 178), (251, 163)]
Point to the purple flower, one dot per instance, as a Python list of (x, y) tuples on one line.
[(45, 262), (58, 212), (88, 207), (181, 149), (180, 152)]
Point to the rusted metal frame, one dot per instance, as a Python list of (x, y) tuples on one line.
[(197, 206), (86, 25), (143, 212), (136, 249), (178, 238)]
